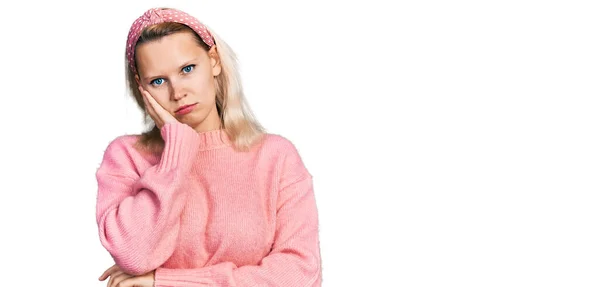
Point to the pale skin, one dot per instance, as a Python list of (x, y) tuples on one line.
[(118, 278), (173, 72)]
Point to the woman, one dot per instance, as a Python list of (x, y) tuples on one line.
[(206, 197)]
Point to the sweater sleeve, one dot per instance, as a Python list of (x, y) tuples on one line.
[(294, 259), (138, 214)]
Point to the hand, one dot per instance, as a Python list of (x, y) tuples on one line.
[(118, 278), (159, 115)]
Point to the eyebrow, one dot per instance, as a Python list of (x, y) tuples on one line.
[(186, 63)]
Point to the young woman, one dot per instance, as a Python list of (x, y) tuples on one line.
[(206, 197)]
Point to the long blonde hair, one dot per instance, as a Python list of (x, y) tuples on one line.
[(237, 119)]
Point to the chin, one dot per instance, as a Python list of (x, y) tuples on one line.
[(198, 118), (192, 119)]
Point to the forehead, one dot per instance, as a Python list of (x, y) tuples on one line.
[(167, 53)]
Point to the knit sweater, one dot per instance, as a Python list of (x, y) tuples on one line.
[(203, 214)]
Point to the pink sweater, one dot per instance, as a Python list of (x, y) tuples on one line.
[(203, 214)]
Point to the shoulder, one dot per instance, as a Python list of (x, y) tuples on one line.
[(289, 161), (278, 143), (123, 155), (279, 147), (124, 145)]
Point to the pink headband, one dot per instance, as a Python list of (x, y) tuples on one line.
[(161, 15)]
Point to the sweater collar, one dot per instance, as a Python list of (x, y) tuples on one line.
[(213, 139)]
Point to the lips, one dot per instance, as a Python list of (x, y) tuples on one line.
[(183, 107)]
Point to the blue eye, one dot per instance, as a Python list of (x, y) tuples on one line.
[(157, 82), (188, 69)]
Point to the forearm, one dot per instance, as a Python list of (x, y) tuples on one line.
[(138, 218)]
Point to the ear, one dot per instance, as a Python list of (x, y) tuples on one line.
[(215, 61), (137, 80)]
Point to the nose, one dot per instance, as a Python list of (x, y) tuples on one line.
[(177, 90)]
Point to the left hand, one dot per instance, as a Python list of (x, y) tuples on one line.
[(118, 278), (159, 115)]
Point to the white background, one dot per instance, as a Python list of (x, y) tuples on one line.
[(452, 143)]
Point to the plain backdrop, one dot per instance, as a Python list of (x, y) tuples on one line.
[(452, 143)]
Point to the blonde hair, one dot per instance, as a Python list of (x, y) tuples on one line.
[(237, 120)]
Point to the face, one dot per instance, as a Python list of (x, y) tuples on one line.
[(178, 73)]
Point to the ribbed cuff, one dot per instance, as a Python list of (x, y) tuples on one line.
[(181, 146)]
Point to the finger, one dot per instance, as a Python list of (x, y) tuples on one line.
[(113, 276), (159, 110), (150, 108), (108, 272), (118, 279), (150, 100), (145, 98), (133, 281)]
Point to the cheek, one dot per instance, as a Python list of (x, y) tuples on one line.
[(203, 85), (161, 96)]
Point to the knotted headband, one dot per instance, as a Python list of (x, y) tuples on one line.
[(161, 15)]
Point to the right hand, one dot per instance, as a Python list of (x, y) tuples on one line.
[(159, 115), (120, 278)]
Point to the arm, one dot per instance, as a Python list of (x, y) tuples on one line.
[(295, 256), (138, 215)]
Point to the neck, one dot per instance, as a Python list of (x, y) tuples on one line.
[(210, 123)]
